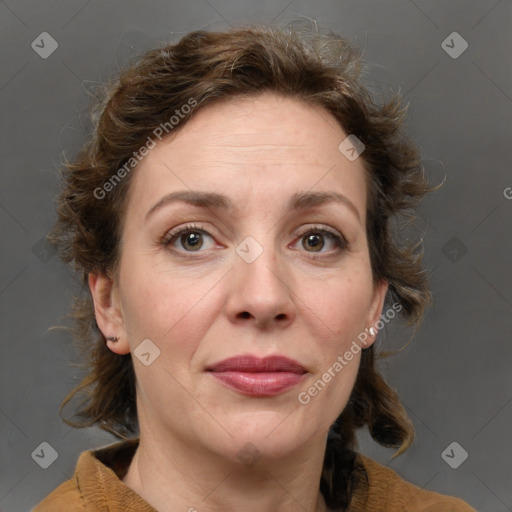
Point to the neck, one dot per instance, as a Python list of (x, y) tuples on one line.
[(173, 476)]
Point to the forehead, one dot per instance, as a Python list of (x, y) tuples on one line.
[(268, 143)]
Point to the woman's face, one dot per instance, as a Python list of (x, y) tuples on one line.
[(272, 261)]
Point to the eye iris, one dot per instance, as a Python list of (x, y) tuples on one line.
[(192, 240), (312, 241)]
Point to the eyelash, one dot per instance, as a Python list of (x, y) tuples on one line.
[(339, 240)]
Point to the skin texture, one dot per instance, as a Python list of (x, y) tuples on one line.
[(202, 306)]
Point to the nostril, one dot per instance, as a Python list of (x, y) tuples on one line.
[(246, 315)]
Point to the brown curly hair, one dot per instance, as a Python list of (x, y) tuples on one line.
[(321, 70)]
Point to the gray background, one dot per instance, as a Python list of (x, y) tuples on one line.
[(455, 378)]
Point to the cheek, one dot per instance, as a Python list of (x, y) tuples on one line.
[(336, 315), (339, 304), (164, 305)]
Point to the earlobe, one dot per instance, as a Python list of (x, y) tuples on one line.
[(108, 313), (378, 300)]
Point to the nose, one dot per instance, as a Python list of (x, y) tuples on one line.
[(261, 293)]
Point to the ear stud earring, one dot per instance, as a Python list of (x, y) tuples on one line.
[(372, 331), (113, 338)]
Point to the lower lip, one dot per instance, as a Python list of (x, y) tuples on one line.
[(259, 384)]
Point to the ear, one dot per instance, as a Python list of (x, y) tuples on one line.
[(377, 304), (108, 312)]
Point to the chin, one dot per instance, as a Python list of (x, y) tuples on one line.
[(263, 435)]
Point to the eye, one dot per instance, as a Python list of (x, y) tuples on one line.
[(316, 238), (190, 237)]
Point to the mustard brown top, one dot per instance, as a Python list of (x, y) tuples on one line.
[(97, 486)]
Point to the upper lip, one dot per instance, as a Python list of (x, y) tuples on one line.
[(253, 364)]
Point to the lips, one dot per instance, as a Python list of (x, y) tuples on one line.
[(258, 377)]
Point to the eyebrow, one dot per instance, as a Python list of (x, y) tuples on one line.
[(303, 200), (298, 201), (195, 198)]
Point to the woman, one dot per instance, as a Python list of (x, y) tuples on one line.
[(230, 218)]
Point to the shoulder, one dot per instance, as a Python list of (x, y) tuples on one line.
[(97, 484), (72, 495), (65, 498), (388, 492)]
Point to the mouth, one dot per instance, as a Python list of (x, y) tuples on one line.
[(258, 377)]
